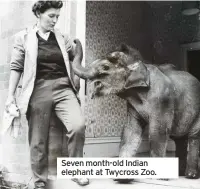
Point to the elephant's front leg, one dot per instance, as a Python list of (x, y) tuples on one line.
[(160, 124), (158, 138), (131, 135), (131, 139)]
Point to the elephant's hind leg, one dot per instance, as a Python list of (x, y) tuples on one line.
[(192, 159), (193, 151), (181, 153)]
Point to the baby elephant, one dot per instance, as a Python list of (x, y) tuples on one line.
[(160, 97)]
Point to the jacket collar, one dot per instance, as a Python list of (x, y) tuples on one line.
[(43, 35)]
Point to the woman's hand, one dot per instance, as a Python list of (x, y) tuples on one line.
[(78, 49), (10, 100), (11, 106)]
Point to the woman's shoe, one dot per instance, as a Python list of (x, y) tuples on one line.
[(81, 181)]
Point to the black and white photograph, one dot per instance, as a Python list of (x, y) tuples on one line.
[(99, 94)]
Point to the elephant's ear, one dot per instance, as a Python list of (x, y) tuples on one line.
[(138, 76)]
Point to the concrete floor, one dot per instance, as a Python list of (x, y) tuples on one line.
[(137, 184)]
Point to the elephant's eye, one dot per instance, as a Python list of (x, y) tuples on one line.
[(97, 83), (112, 59), (106, 67)]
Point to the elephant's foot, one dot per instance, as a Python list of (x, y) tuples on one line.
[(192, 174), (124, 181)]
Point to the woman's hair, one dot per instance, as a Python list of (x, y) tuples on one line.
[(42, 6)]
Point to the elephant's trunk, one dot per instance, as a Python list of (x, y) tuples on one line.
[(79, 70)]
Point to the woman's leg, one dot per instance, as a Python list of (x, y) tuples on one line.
[(39, 112), (69, 112)]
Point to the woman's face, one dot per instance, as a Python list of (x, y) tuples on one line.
[(48, 19)]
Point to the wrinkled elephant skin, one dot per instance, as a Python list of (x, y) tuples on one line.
[(160, 97)]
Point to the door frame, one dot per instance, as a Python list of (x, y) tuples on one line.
[(184, 49)]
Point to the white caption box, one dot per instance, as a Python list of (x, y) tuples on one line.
[(68, 168)]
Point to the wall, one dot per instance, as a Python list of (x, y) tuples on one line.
[(14, 154), (169, 30), (8, 27), (108, 24)]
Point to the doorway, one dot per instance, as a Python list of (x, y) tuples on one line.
[(193, 62)]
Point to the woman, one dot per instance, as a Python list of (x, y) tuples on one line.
[(43, 55)]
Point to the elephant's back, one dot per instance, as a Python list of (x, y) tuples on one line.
[(185, 82), (187, 93)]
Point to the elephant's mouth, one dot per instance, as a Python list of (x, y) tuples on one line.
[(97, 88)]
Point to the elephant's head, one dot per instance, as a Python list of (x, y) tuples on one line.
[(116, 72)]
